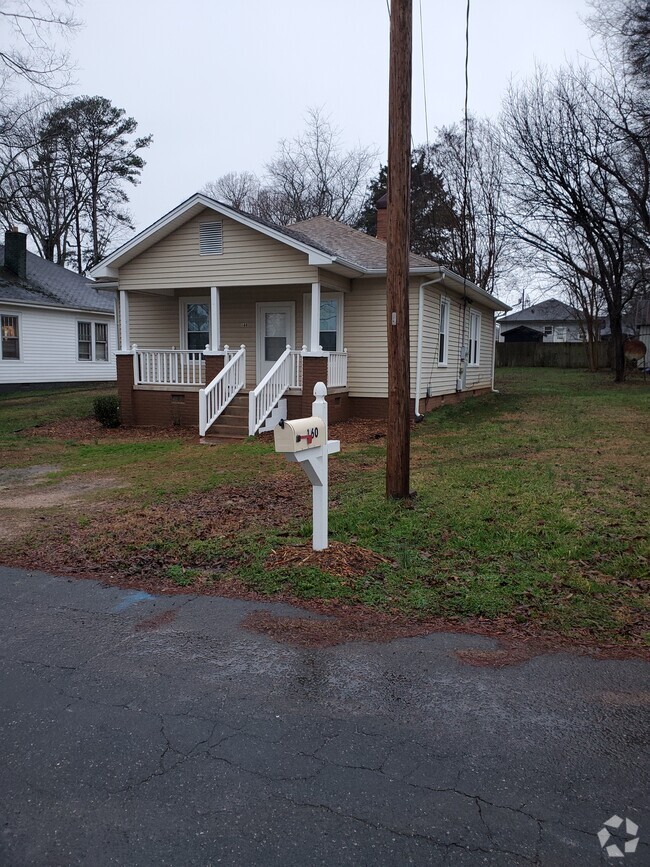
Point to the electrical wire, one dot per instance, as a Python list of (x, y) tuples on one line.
[(424, 76)]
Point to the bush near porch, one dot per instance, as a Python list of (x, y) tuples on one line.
[(532, 509)]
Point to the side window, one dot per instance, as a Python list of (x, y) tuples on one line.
[(443, 331), (84, 341), (474, 338), (10, 338), (101, 341)]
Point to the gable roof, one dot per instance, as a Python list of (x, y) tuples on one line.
[(50, 285), (546, 311), (327, 243)]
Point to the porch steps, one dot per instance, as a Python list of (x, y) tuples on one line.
[(232, 424)]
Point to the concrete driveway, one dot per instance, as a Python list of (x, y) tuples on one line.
[(137, 730)]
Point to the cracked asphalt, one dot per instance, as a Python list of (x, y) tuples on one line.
[(143, 730)]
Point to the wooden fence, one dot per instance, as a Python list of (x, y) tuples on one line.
[(550, 355)]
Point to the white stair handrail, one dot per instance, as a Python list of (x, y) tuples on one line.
[(265, 397), (216, 396)]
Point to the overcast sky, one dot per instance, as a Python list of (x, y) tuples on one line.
[(219, 83)]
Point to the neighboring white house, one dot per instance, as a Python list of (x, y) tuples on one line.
[(55, 325), (549, 321)]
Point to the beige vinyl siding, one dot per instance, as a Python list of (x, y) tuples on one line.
[(365, 339), (437, 379), (153, 321), (481, 376), (333, 282), (239, 318), (248, 258)]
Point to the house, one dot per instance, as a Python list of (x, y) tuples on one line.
[(226, 322), (549, 321), (56, 326)]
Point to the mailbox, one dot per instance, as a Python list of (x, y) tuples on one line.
[(300, 434)]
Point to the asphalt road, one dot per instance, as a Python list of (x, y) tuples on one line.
[(138, 730)]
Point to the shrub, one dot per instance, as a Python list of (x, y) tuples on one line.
[(107, 410)]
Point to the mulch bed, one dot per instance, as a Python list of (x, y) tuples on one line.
[(88, 429), (340, 560)]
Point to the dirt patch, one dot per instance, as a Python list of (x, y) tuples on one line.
[(339, 559), (12, 476), (57, 495), (509, 653)]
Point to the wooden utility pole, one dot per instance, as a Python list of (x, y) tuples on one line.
[(397, 263)]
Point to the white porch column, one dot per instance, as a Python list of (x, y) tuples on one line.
[(215, 319), (124, 321), (314, 342)]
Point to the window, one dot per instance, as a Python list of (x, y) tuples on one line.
[(10, 340), (101, 341), (85, 340), (92, 341), (211, 238), (443, 331), (474, 338), (198, 326), (548, 330), (330, 332), (328, 324)]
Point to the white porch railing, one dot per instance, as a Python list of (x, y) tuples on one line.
[(215, 397), (168, 367), (286, 373), (337, 369)]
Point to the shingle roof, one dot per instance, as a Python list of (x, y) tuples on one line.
[(546, 311), (53, 286), (350, 244)]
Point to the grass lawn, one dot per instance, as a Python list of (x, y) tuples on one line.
[(532, 509)]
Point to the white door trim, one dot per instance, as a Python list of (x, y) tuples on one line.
[(261, 308)]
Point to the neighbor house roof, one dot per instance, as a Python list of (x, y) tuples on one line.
[(50, 285), (546, 311), (327, 243)]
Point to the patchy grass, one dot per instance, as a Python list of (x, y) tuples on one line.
[(531, 512)]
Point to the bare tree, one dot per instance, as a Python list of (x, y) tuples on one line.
[(310, 176), (562, 192), (239, 189), (28, 34)]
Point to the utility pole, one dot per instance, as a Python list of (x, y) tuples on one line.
[(397, 258)]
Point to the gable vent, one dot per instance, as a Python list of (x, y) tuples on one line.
[(210, 238)]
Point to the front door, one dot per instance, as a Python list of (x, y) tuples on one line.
[(275, 330)]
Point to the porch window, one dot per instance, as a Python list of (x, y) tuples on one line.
[(474, 338), (443, 332), (329, 324), (198, 326), (10, 340)]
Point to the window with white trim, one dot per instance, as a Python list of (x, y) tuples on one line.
[(548, 330), (443, 331), (92, 341), (10, 338), (198, 325), (474, 338), (330, 334)]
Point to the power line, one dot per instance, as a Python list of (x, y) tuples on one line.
[(424, 76)]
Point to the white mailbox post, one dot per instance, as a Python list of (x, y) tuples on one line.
[(304, 441)]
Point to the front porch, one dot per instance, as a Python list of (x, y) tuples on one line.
[(195, 382), (162, 387)]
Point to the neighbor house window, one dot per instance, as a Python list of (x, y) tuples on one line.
[(198, 326), (548, 330), (101, 341), (474, 338), (92, 341), (85, 340), (10, 339), (443, 331)]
